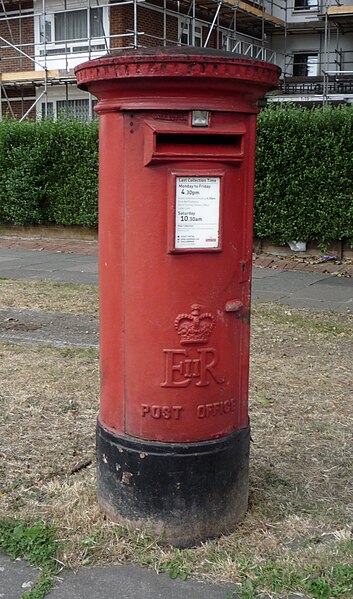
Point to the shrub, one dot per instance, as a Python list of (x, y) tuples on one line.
[(22, 184), (49, 173), (72, 193), (304, 174)]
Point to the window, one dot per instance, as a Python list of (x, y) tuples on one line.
[(70, 27), (305, 64), (185, 33), (306, 5), (74, 109), (48, 110), (45, 29), (78, 110), (228, 41), (76, 25)]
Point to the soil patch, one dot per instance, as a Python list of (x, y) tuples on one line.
[(59, 329)]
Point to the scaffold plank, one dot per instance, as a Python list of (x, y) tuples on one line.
[(340, 11), (28, 76), (256, 12)]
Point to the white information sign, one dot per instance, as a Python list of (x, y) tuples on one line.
[(197, 212)]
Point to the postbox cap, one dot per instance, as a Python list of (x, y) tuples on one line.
[(160, 61), (184, 72)]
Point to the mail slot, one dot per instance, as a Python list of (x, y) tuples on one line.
[(175, 235), (221, 142), (213, 144)]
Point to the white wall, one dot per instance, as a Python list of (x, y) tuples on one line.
[(277, 8), (314, 43)]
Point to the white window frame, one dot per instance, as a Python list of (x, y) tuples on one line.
[(308, 53), (228, 41), (56, 111), (79, 46), (185, 29), (313, 6)]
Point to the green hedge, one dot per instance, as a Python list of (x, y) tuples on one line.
[(304, 173), (49, 173)]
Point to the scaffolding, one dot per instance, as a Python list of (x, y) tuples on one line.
[(40, 44), (232, 25), (329, 76)]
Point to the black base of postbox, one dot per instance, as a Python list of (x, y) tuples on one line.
[(183, 492)]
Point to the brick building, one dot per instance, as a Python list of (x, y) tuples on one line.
[(41, 41)]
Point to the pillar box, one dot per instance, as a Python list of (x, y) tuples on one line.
[(176, 184)]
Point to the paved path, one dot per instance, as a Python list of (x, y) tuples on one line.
[(303, 289), (297, 289), (293, 288), (48, 266), (114, 582)]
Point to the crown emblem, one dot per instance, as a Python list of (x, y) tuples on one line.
[(194, 327)]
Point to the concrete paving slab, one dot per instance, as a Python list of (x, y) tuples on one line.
[(35, 260), (48, 266), (133, 582), (325, 292), (288, 281), (304, 290), (263, 273), (82, 268), (337, 282), (305, 278), (275, 285), (113, 582), (52, 261), (266, 295), (16, 577), (315, 304), (5, 259)]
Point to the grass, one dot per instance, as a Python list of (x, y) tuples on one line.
[(55, 297), (37, 544), (297, 534), (275, 575), (327, 323)]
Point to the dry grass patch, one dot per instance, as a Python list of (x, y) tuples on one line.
[(297, 533), (55, 297)]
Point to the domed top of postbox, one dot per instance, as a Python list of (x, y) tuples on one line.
[(181, 76)]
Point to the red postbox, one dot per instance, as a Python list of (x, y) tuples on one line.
[(177, 151)]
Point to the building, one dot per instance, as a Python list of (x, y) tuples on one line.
[(41, 41)]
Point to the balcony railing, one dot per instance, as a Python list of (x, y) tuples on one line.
[(251, 50), (339, 84)]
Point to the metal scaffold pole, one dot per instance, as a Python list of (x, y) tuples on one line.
[(225, 24), (135, 24), (213, 24)]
